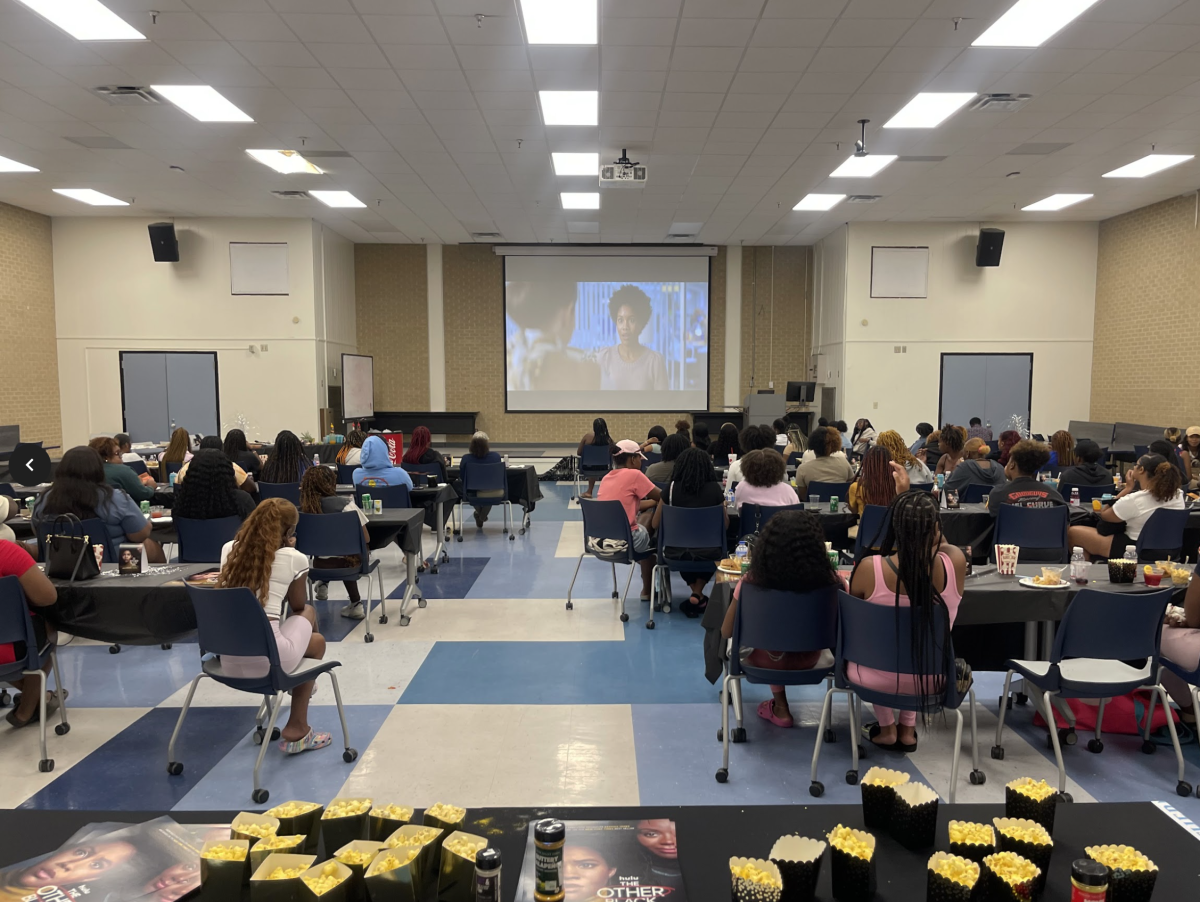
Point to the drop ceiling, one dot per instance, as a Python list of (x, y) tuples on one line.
[(738, 107)]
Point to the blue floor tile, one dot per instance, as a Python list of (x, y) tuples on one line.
[(138, 677), (454, 578)]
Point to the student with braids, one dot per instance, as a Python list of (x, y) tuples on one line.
[(286, 463), (263, 558), (903, 455), (598, 436), (1153, 483), (916, 568), (238, 451), (693, 484), (1062, 449), (211, 490), (875, 484), (213, 443), (350, 454), (318, 495), (725, 444)]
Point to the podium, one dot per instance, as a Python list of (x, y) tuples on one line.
[(765, 409)]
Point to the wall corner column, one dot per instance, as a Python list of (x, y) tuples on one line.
[(437, 327), (733, 327)]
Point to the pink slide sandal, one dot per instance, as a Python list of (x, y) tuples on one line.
[(766, 710), (309, 743)]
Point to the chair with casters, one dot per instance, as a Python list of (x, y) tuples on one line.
[(1099, 634), (975, 493), (424, 470), (288, 491), (783, 622), (826, 490), (872, 525), (392, 496), (753, 517), (201, 541), (1161, 537), (233, 622), (685, 529), (341, 535), (606, 522), (594, 463), (1041, 532), (345, 473), (493, 480), (16, 625), (1087, 493), (138, 466), (1192, 679), (867, 636)]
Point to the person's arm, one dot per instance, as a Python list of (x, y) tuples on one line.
[(141, 535), (586, 440), (657, 518), (1191, 604), (297, 594), (134, 524), (730, 613), (900, 477), (959, 560), (1119, 511), (40, 592), (249, 485)]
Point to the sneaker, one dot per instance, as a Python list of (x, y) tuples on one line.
[(322, 591), (355, 611)]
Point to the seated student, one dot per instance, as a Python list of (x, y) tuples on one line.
[(701, 438), (238, 450), (790, 556), (350, 453), (598, 436), (864, 436), (1171, 453), (764, 480), (917, 471), (1181, 645), (781, 433), (1023, 488), (951, 442), (932, 452), (684, 427), (726, 444), (264, 559), (178, 449), (654, 439), (923, 432), (1191, 454), (835, 441), (1152, 483), (79, 488), (844, 434), (976, 429), (213, 443), (1087, 469), (125, 448), (824, 467), (693, 484), (39, 593), (211, 491), (975, 468), (318, 495), (1062, 449), (1008, 438), (480, 452), (420, 452), (752, 438), (376, 465), (672, 446), (120, 476), (875, 484), (287, 461), (638, 495)]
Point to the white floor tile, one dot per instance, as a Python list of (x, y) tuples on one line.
[(570, 541), (501, 620)]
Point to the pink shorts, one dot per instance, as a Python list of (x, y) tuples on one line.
[(291, 638)]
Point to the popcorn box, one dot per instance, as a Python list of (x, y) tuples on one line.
[(971, 841), (424, 866), (328, 881), (456, 874), (261, 848), (914, 816), (280, 889), (344, 820), (385, 820), (1030, 840), (755, 880), (1008, 878), (798, 859), (1033, 799), (878, 795), (1131, 875), (305, 819), (225, 877), (253, 826), (447, 818), (357, 856), (853, 860), (399, 884), (951, 878)]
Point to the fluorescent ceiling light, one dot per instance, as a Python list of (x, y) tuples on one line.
[(88, 196), (202, 102), (86, 20), (1030, 23), (1148, 165), (576, 163), (588, 200), (928, 110), (1057, 202), (7, 165), (560, 21), (863, 167), (337, 198), (570, 107), (286, 161), (819, 201)]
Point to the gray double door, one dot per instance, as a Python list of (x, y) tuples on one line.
[(163, 390), (993, 387)]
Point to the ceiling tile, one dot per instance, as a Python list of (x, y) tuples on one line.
[(699, 81), (776, 59), (250, 26), (714, 32), (350, 56), (315, 28), (633, 32), (616, 80)]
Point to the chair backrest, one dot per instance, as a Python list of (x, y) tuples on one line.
[(692, 527), (393, 496), (484, 478), (172, 467), (783, 621), (289, 491), (1139, 450), (422, 469), (345, 473), (330, 535), (753, 517), (793, 459), (233, 622), (975, 493), (652, 457), (15, 623), (926, 487), (138, 466), (1051, 470), (7, 489), (1162, 535), (1041, 532), (606, 520), (826, 490), (872, 525), (1086, 492), (93, 528), (1114, 626), (200, 541), (595, 457)]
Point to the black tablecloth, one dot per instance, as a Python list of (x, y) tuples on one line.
[(834, 525), (523, 486), (399, 524), (429, 498), (708, 836)]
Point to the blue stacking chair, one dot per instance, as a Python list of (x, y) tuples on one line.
[(339, 535), (652, 457), (753, 517), (138, 466), (16, 625), (826, 490), (793, 459), (872, 525), (232, 622), (926, 487), (392, 496), (975, 493), (876, 636), (594, 463), (345, 473), (169, 468), (605, 521), (1162, 536), (684, 528), (1086, 492), (7, 489), (486, 478), (1140, 450), (783, 622), (288, 491), (422, 470), (201, 541), (1099, 633), (1041, 532)]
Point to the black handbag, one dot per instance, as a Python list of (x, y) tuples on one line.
[(69, 552)]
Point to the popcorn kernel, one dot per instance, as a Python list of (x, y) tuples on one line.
[(754, 874), (224, 853), (393, 812), (957, 870), (262, 831), (464, 847), (352, 857), (347, 808), (395, 860), (448, 813), (285, 873), (420, 837), (1012, 868), (1038, 790), (273, 843), (971, 834), (293, 809), (852, 842)]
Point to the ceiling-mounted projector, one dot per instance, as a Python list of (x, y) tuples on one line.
[(623, 171)]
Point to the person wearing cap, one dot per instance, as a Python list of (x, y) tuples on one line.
[(1191, 455), (638, 495)]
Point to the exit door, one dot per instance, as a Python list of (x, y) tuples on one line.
[(993, 387), (163, 390)]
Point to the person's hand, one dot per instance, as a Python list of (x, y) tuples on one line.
[(922, 455), (291, 541), (900, 475)]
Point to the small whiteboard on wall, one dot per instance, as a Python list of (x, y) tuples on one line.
[(899, 272), (258, 268), (358, 386)]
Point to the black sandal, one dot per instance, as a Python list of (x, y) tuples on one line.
[(51, 707), (874, 729)]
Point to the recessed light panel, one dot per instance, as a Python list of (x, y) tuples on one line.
[(86, 20), (864, 166), (88, 196), (587, 200), (929, 110), (1148, 165), (202, 102), (1056, 202), (576, 163), (1030, 23), (337, 198), (560, 21), (570, 107), (288, 162), (819, 201), (7, 165)]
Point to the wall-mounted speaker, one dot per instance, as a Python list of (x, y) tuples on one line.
[(991, 243), (163, 242)]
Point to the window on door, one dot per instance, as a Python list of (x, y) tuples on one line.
[(993, 387), (163, 390)]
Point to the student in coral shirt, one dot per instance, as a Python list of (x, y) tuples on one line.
[(638, 495), (39, 592)]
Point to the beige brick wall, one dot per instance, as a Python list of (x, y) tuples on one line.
[(1147, 291), (777, 316), (29, 364), (392, 316)]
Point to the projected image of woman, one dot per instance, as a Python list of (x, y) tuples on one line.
[(630, 365)]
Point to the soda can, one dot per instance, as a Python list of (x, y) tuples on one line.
[(833, 504), (367, 504), (145, 507)]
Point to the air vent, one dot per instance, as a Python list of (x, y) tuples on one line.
[(863, 198), (326, 154), (293, 195), (678, 236), (1036, 149), (1000, 103), (920, 159), (486, 236), (127, 95), (100, 142), (583, 228)]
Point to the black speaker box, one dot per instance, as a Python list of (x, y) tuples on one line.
[(163, 242), (991, 243)]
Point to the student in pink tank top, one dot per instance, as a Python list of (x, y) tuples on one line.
[(924, 571)]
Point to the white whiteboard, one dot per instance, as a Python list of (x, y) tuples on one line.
[(899, 272), (258, 268), (358, 386)]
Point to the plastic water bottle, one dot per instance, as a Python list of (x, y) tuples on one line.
[(316, 460), (742, 552), (1079, 565), (1075, 497)]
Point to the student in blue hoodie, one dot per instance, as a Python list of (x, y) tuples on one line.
[(377, 465)]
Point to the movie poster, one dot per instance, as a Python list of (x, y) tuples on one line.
[(614, 860)]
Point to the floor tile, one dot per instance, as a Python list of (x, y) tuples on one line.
[(454, 578), (508, 619), (139, 677), (570, 540)]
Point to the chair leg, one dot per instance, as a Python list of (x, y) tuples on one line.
[(571, 587), (625, 594), (172, 764), (45, 764), (1150, 715), (614, 576), (1097, 744), (1048, 703), (277, 705), (367, 635), (998, 748), (1181, 786), (655, 594), (958, 727), (852, 710), (816, 788), (723, 771), (976, 774), (337, 697), (738, 714), (64, 727)]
